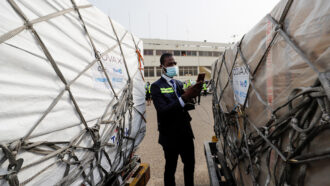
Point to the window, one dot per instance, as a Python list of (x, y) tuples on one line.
[(148, 52), (216, 54), (176, 53), (181, 71), (183, 53), (149, 71), (195, 71), (205, 53), (160, 52), (188, 70), (191, 53), (202, 53), (158, 71)]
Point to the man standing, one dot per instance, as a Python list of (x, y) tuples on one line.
[(148, 93), (175, 133), (199, 98), (205, 88)]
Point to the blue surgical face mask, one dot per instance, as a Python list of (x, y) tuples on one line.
[(172, 71)]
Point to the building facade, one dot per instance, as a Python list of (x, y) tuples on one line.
[(192, 57)]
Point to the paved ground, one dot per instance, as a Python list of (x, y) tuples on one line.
[(151, 152)]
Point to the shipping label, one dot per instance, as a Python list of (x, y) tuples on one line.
[(115, 69), (241, 83)]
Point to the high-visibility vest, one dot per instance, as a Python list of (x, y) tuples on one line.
[(189, 83), (184, 86), (204, 86), (148, 88)]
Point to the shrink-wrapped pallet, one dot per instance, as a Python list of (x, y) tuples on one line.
[(271, 98), (71, 94)]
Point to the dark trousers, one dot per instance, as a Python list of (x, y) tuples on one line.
[(187, 152)]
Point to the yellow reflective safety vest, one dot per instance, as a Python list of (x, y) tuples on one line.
[(148, 89), (189, 83), (204, 86)]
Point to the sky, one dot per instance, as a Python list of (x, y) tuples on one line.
[(193, 20)]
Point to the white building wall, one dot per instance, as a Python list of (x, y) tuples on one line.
[(176, 45)]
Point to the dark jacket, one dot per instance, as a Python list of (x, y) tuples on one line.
[(173, 120)]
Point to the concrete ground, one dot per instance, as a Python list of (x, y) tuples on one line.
[(151, 152)]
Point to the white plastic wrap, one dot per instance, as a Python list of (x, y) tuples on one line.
[(254, 89), (35, 104)]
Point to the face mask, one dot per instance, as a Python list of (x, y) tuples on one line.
[(172, 71)]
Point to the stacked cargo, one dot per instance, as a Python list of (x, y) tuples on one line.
[(71, 94), (271, 99)]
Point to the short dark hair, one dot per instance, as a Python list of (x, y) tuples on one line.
[(165, 55)]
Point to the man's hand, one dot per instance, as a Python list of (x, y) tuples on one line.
[(192, 92)]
